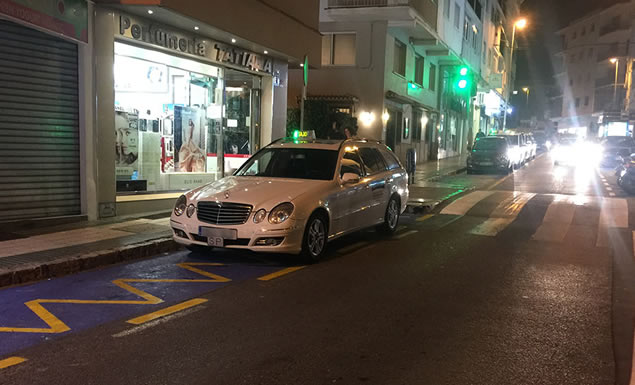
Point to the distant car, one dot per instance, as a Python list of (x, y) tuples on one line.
[(614, 148), (565, 152), (490, 153), (294, 196), (517, 149)]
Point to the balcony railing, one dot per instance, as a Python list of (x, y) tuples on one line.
[(427, 9), (613, 27), (358, 3)]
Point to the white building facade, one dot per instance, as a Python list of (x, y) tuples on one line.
[(396, 62)]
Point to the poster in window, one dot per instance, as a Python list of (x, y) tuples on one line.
[(189, 139), (126, 144)]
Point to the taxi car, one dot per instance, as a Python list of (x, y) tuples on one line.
[(293, 196)]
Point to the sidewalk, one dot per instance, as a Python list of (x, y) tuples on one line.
[(39, 253), (425, 196)]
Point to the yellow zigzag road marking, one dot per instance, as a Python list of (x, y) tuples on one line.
[(57, 326)]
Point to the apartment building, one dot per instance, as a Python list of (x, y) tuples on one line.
[(594, 70), (393, 64)]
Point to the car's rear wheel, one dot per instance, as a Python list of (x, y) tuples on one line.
[(315, 237), (391, 218)]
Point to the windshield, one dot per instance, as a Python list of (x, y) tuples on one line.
[(490, 144), (300, 163)]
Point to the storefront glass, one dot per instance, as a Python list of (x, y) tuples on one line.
[(179, 123)]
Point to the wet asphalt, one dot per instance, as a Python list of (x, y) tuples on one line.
[(435, 304)]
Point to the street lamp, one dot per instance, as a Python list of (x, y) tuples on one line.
[(615, 61), (520, 24), (526, 91)]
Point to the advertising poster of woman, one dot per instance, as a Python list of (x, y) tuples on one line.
[(189, 139), (126, 144)]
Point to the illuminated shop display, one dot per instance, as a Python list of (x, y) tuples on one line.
[(179, 122)]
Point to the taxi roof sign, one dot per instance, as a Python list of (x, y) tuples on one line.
[(303, 135)]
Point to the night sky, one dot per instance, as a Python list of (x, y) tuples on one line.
[(538, 43)]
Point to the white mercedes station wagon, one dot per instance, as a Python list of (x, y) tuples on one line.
[(294, 196)]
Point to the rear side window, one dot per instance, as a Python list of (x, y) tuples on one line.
[(351, 163), (391, 161), (373, 161)]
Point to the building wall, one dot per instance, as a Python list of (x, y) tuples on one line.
[(365, 80), (286, 26), (399, 84), (586, 72)]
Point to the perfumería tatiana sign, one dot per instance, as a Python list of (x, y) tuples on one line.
[(159, 35)]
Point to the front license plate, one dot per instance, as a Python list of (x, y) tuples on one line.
[(486, 163), (215, 241), (215, 232)]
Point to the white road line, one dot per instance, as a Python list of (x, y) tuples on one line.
[(405, 234), (156, 322), (491, 226), (614, 213), (556, 222), (510, 207), (609, 189), (612, 194), (462, 205)]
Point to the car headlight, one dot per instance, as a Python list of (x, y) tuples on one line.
[(260, 215), (280, 213), (181, 204), (191, 209)]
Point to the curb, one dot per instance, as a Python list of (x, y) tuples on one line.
[(79, 262)]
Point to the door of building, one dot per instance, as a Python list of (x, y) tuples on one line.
[(39, 125)]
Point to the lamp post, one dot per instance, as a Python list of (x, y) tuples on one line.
[(520, 24), (615, 61), (526, 91)]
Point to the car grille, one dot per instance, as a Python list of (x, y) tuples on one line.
[(223, 213)]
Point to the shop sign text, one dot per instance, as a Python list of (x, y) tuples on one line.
[(158, 36), (242, 58)]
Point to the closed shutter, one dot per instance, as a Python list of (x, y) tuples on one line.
[(39, 134)]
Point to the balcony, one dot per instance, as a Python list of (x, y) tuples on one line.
[(613, 27), (426, 9)]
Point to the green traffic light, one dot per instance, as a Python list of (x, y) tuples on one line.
[(463, 71), (462, 84)]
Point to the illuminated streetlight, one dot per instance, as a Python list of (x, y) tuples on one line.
[(526, 91), (520, 24), (615, 61)]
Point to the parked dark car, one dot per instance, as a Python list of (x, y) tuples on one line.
[(491, 154), (614, 148)]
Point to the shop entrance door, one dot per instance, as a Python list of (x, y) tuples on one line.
[(241, 128)]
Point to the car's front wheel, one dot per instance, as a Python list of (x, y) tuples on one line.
[(315, 237), (391, 218)]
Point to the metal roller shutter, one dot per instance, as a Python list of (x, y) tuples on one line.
[(39, 128)]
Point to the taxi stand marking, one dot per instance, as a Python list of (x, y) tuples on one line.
[(58, 326), (11, 361)]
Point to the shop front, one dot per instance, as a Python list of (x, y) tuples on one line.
[(187, 110), (41, 111)]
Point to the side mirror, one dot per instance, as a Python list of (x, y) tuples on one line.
[(350, 178)]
